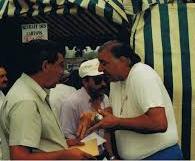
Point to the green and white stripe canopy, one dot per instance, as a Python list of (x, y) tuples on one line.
[(112, 10), (79, 21), (3, 5), (164, 36)]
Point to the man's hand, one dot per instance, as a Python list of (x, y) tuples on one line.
[(73, 142), (85, 122), (108, 121)]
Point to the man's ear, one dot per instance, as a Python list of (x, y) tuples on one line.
[(123, 59), (45, 65)]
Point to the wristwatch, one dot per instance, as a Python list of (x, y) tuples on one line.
[(98, 117), (112, 157)]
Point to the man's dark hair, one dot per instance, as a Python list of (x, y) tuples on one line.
[(36, 51), (119, 49), (2, 65)]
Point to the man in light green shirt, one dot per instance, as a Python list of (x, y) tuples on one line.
[(29, 123)]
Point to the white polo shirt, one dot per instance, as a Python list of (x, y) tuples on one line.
[(133, 97)]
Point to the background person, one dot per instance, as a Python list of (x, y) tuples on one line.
[(89, 98), (3, 82), (3, 85)]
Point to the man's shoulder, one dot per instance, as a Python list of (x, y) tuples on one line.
[(73, 100), (141, 68), (76, 100), (62, 88), (19, 91), (78, 95)]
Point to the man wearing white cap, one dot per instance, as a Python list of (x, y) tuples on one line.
[(89, 98)]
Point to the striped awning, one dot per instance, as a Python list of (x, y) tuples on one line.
[(3, 5), (133, 7), (112, 10), (72, 22), (164, 38)]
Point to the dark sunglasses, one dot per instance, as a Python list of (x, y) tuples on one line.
[(98, 79)]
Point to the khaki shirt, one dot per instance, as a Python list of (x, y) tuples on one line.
[(27, 118)]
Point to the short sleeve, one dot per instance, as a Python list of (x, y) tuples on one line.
[(25, 124), (148, 90)]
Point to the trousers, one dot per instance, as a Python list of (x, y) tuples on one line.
[(171, 153)]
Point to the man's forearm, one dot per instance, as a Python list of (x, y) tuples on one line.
[(151, 122), (140, 124), (22, 153)]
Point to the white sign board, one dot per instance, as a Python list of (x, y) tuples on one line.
[(34, 31)]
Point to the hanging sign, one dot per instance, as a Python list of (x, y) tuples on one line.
[(34, 31)]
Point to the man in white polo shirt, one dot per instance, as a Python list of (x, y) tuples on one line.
[(143, 116)]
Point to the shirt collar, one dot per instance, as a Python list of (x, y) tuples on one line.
[(42, 93)]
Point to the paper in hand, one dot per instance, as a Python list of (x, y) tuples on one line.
[(89, 147), (93, 135)]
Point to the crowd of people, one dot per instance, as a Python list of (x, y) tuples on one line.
[(41, 118)]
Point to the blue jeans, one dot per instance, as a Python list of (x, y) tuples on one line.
[(171, 153)]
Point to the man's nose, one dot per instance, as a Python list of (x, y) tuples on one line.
[(5, 79), (100, 68)]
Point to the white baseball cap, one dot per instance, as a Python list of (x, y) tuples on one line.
[(89, 68)]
